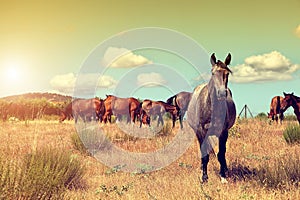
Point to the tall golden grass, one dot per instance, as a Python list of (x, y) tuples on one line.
[(254, 147)]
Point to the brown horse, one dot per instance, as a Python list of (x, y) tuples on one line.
[(121, 106), (211, 112), (66, 113), (181, 101), (86, 109), (291, 100), (275, 111), (156, 108)]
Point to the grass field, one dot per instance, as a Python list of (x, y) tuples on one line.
[(253, 147)]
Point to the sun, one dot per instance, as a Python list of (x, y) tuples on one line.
[(12, 73)]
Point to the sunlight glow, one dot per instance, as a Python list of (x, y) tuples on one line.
[(12, 74)]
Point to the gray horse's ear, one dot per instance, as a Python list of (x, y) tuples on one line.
[(284, 93), (228, 59), (213, 59), (292, 93)]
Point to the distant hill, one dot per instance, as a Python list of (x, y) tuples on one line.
[(51, 97)]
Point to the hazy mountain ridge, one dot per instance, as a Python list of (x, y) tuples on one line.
[(51, 97)]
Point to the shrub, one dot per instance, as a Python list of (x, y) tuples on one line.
[(78, 145), (282, 173), (93, 140), (290, 117), (167, 129), (292, 134), (45, 174), (261, 116)]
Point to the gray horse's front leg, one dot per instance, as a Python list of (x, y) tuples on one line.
[(204, 156), (204, 162), (221, 155)]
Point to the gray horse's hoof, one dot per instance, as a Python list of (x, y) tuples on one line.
[(223, 180), (204, 179)]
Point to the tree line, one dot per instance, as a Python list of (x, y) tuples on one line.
[(29, 109)]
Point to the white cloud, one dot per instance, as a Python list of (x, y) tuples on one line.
[(106, 82), (65, 83), (150, 79), (297, 31), (262, 68), (121, 57)]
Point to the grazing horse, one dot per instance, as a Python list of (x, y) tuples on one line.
[(156, 108), (275, 111), (212, 111), (291, 100), (66, 113), (121, 106), (83, 108), (181, 101)]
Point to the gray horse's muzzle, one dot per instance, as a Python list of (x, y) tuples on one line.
[(222, 93)]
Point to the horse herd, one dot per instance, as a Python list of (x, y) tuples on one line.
[(280, 104), (133, 110), (210, 111)]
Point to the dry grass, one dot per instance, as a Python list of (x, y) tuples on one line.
[(252, 145)]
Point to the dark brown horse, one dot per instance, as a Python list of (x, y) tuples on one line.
[(86, 109), (212, 112), (66, 113), (121, 106), (181, 101), (157, 108), (275, 111), (291, 100)]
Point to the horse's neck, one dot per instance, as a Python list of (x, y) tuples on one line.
[(297, 98), (296, 106)]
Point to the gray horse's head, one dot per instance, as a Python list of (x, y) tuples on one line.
[(219, 79)]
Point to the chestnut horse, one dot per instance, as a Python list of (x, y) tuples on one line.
[(291, 100), (212, 111), (181, 101), (86, 109), (121, 106), (156, 108), (275, 111)]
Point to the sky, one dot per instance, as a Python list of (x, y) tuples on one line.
[(101, 46)]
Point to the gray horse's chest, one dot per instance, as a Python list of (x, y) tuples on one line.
[(205, 111)]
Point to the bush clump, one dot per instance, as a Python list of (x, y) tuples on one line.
[(78, 145), (292, 134), (283, 173), (44, 174)]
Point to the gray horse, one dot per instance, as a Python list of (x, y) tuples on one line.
[(212, 112)]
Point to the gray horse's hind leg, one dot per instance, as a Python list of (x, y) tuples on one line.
[(221, 154)]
